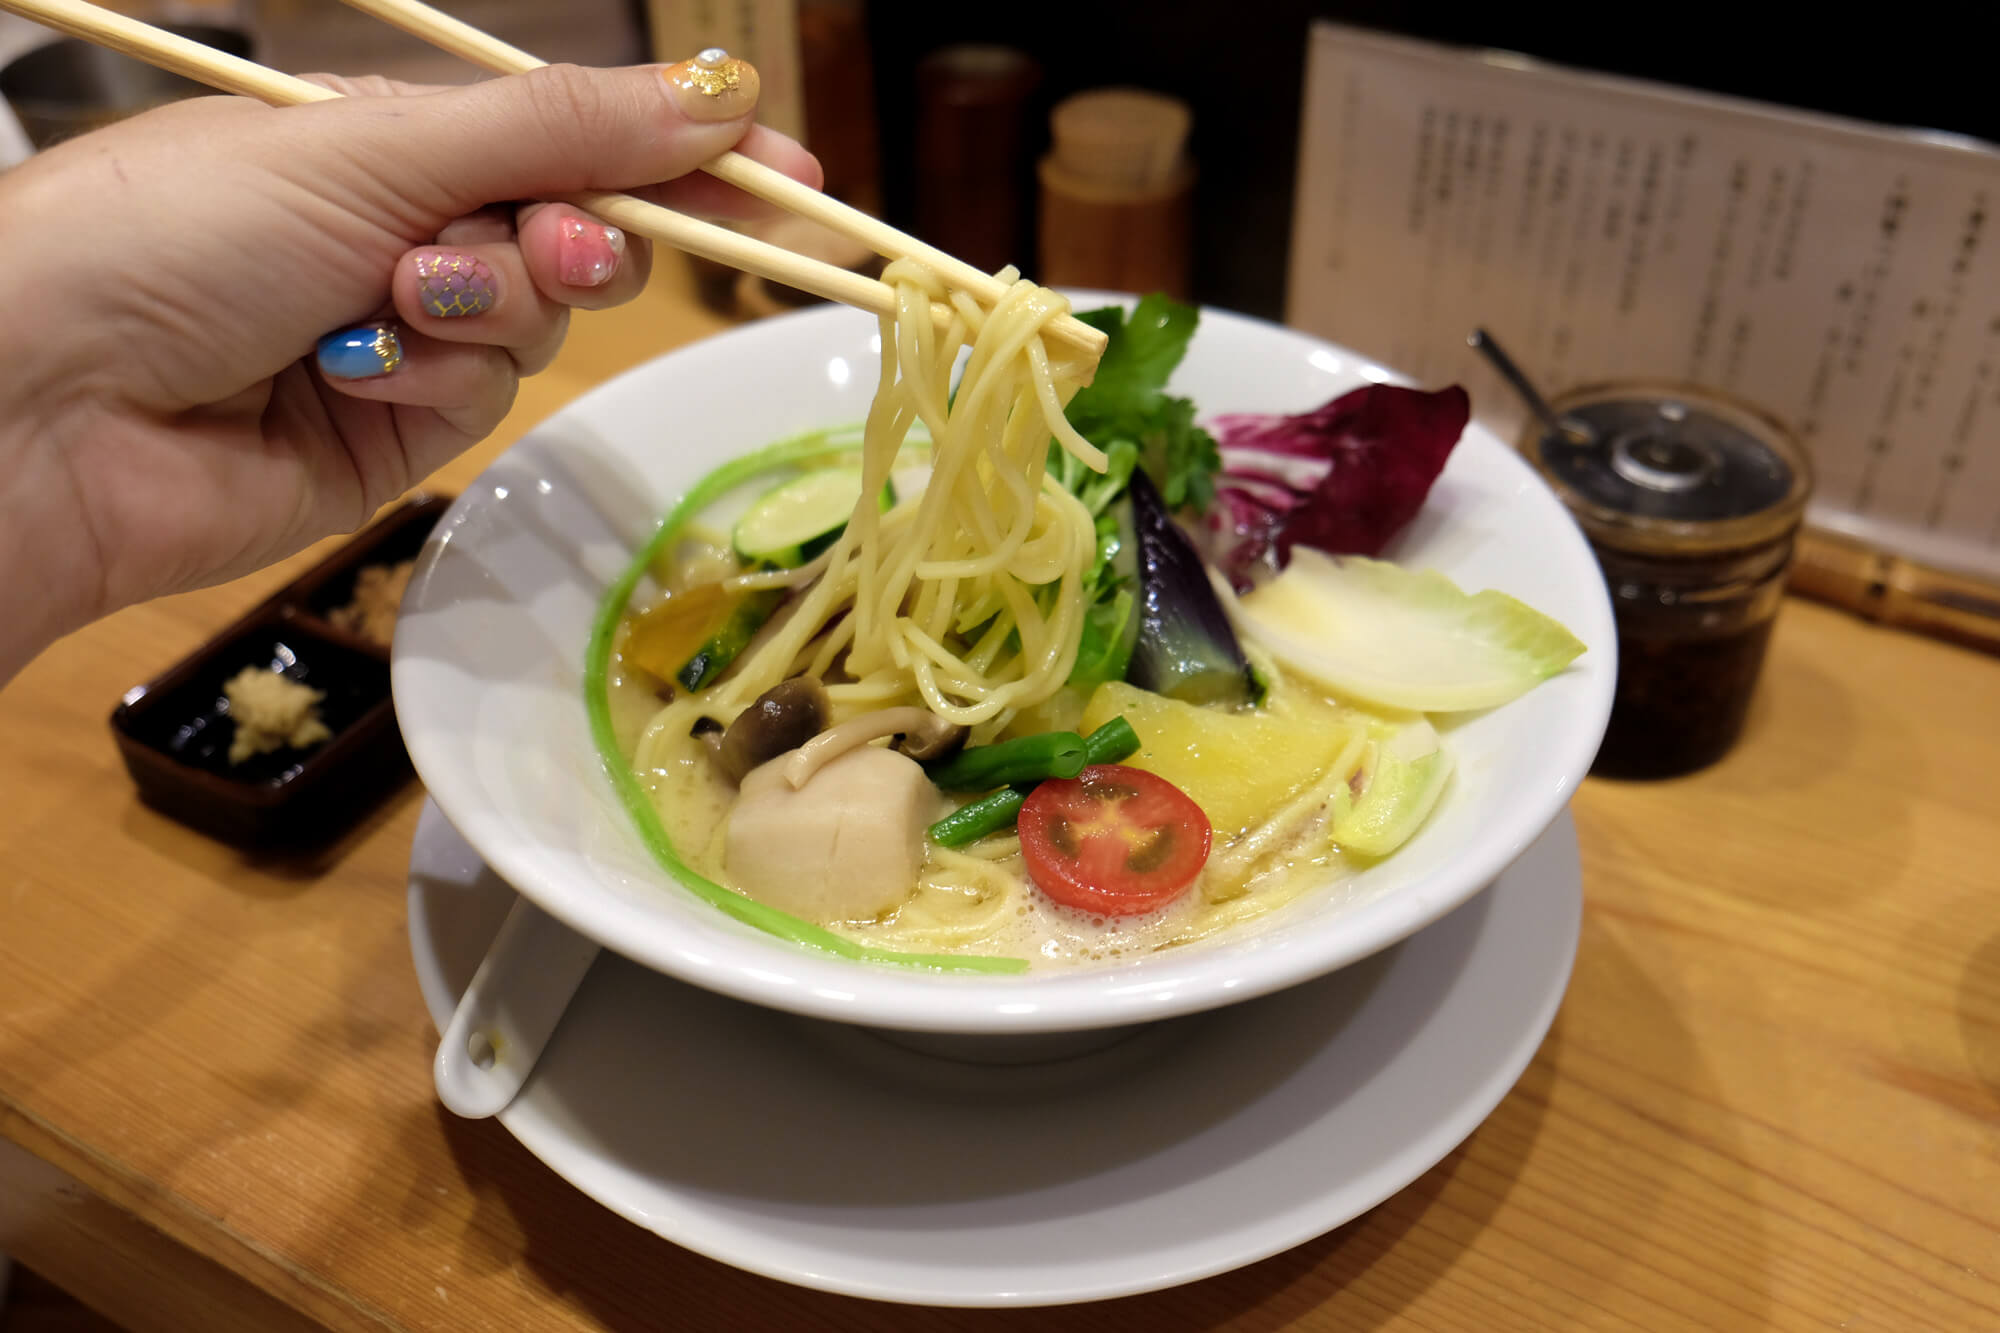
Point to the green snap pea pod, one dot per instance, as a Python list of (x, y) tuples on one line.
[(1051, 754), (1113, 741)]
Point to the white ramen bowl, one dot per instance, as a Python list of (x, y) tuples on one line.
[(488, 680)]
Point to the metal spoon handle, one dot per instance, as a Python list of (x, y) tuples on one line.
[(1483, 343)]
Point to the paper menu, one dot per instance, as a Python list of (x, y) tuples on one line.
[(1843, 277)]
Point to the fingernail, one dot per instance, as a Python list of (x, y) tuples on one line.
[(588, 252), (360, 353), (454, 285), (714, 85)]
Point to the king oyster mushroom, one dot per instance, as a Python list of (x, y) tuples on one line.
[(834, 829)]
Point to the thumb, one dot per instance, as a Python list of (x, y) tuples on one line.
[(550, 131)]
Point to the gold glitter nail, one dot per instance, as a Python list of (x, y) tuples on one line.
[(714, 82), (388, 348), (455, 284), (714, 85)]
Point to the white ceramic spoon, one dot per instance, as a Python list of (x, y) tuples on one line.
[(506, 1016)]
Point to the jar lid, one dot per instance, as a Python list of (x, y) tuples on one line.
[(1666, 468)]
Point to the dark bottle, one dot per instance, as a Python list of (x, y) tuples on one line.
[(1691, 501), (974, 153)]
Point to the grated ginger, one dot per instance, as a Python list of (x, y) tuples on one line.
[(271, 711), (378, 595)]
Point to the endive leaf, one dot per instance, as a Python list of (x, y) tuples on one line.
[(1396, 638)]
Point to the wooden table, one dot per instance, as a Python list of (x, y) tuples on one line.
[(1772, 1098)]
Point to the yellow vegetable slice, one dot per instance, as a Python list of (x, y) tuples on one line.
[(1239, 765)]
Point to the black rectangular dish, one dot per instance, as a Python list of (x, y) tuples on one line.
[(180, 741)]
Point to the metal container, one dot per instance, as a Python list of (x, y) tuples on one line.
[(1692, 501), (68, 87)]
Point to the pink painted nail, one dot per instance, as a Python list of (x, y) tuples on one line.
[(588, 252), (455, 284)]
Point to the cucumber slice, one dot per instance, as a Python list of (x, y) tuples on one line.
[(730, 638), (796, 521)]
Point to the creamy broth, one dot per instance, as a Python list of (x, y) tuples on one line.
[(978, 899)]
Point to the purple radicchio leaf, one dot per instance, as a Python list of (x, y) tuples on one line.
[(1344, 478)]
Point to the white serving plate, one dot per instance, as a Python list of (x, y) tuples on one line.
[(825, 1156)]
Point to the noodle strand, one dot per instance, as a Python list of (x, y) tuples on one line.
[(967, 597)]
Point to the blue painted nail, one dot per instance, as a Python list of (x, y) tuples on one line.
[(360, 353)]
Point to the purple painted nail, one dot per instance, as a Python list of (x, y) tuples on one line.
[(455, 285)]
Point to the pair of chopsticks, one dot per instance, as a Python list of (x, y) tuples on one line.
[(204, 64)]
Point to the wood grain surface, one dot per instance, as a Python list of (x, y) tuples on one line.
[(1771, 1100)]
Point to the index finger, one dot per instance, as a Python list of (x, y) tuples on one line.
[(701, 195), (372, 85), (697, 194)]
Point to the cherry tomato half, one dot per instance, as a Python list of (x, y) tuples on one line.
[(1113, 839)]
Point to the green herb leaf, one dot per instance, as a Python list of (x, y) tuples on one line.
[(1126, 412), (1126, 409), (1099, 489), (1105, 650), (1181, 457), (1132, 375)]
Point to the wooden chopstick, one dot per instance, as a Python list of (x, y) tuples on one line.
[(169, 51), (746, 173), (218, 69)]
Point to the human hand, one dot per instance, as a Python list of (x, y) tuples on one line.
[(175, 412)]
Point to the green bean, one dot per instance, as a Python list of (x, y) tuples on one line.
[(1113, 741), (1051, 754), (973, 821)]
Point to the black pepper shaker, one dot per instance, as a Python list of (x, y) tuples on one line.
[(1691, 501)]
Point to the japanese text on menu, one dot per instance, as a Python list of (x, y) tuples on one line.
[(1843, 278)]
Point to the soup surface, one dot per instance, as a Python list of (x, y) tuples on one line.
[(1266, 777)]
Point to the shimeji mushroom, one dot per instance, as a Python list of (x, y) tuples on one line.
[(783, 718)]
